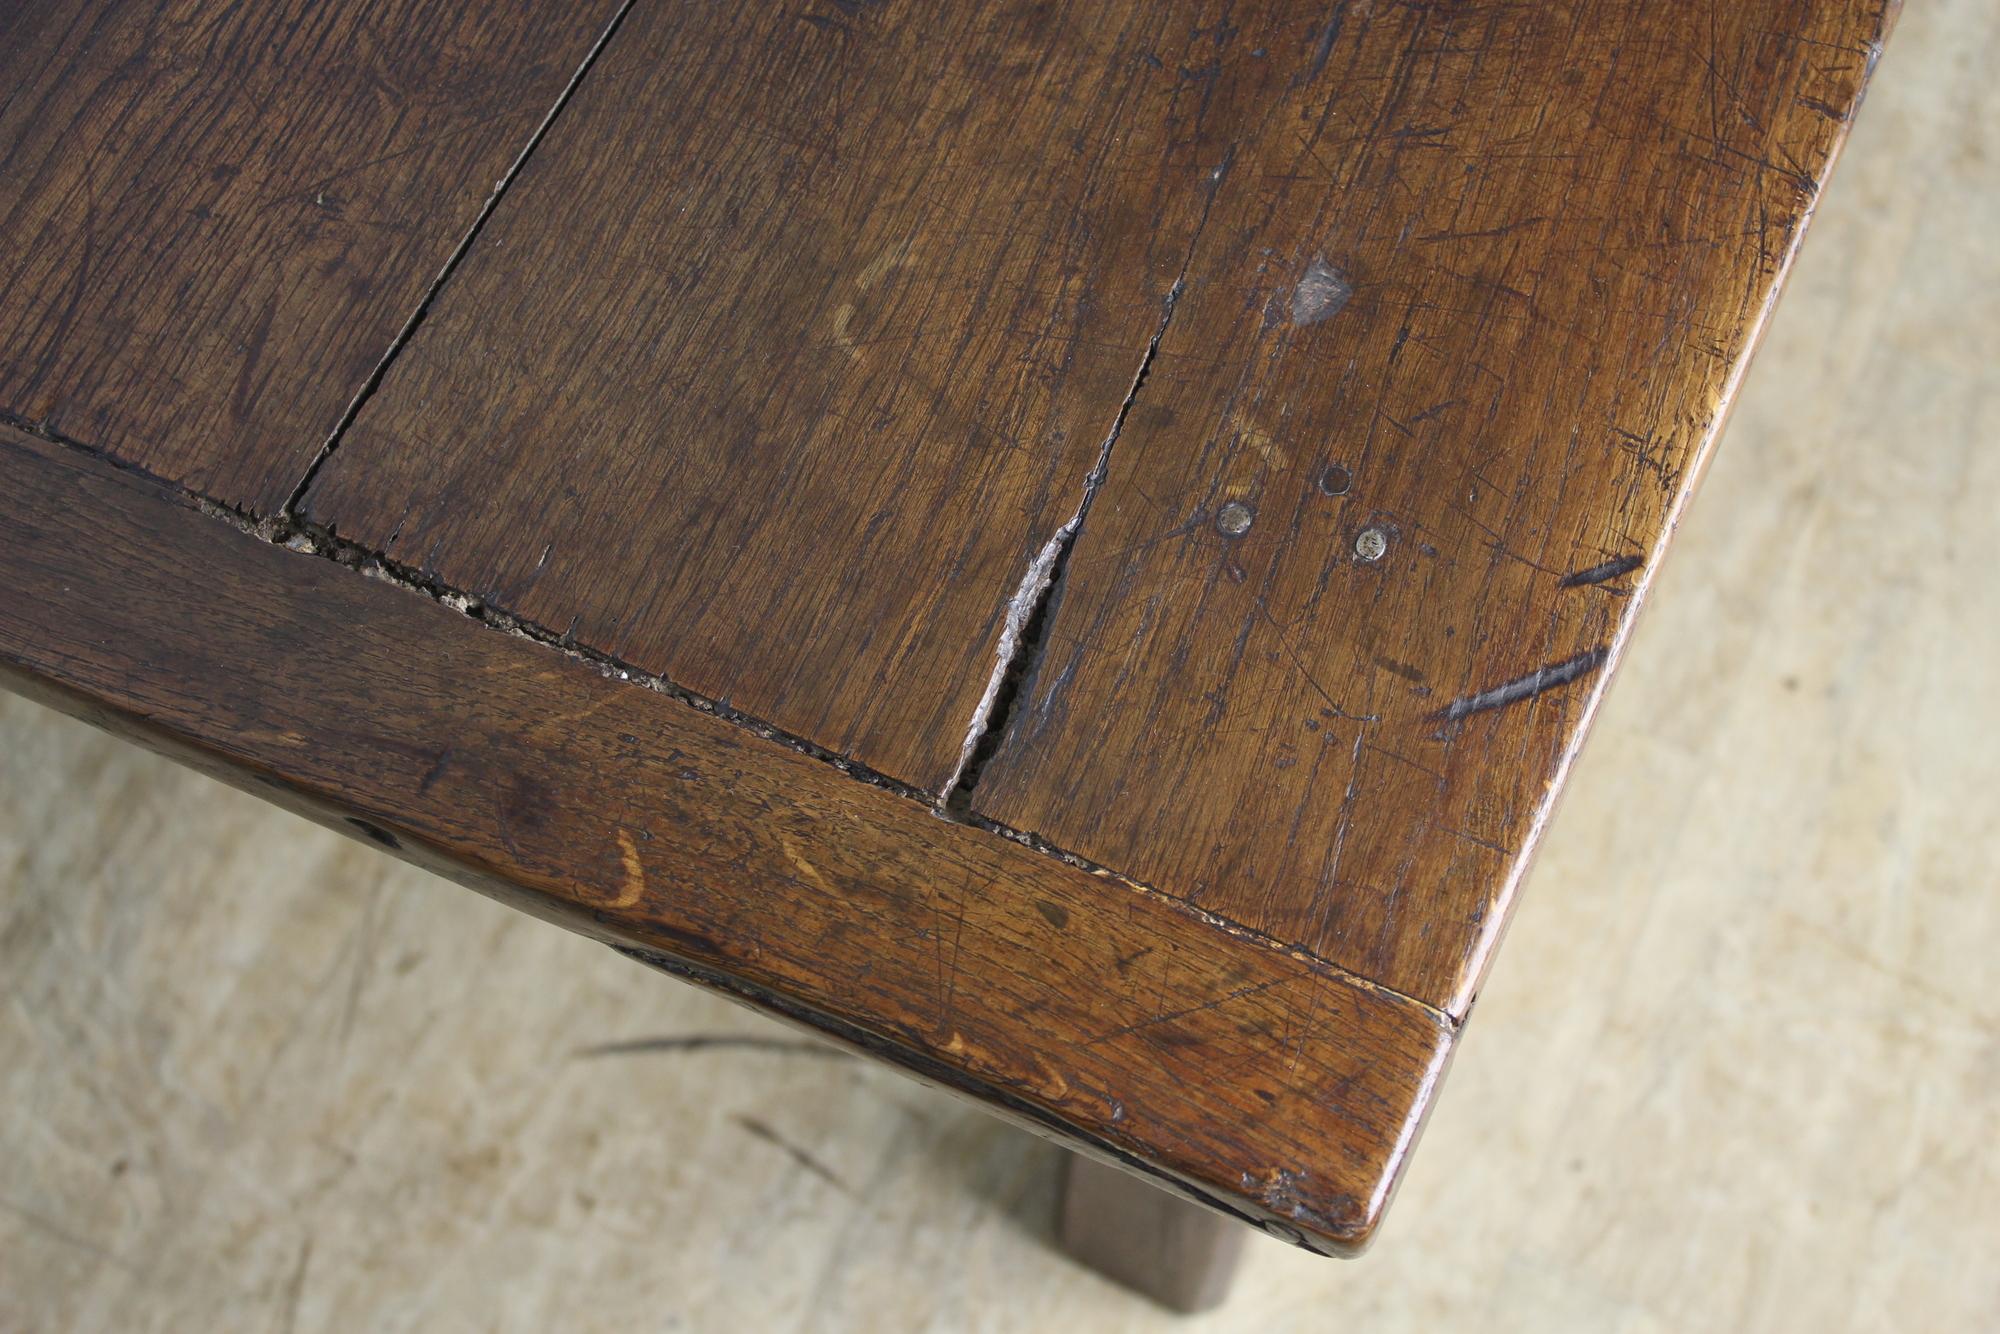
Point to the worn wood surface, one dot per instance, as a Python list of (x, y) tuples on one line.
[(1081, 1006), (216, 218), (255, 1076), (792, 349), (1479, 292), (1470, 284), (1211, 459)]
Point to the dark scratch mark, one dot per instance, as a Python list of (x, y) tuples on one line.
[(1600, 573), (1525, 687), (1402, 669), (1324, 50), (1487, 232), (1127, 960), (1170, 1016), (1475, 840), (805, 1160), (712, 1042)]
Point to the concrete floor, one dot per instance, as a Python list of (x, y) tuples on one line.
[(1738, 1067)]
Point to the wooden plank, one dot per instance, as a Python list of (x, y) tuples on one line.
[(1461, 330), (790, 352), (1246, 1076), (215, 219)]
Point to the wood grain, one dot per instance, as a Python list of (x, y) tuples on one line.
[(216, 218), (1248, 1077), (792, 349), (1461, 330)]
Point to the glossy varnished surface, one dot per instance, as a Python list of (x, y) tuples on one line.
[(215, 218)]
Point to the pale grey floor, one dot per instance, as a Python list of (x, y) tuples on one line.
[(1738, 1068)]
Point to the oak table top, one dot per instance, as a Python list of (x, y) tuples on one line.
[(1067, 547)]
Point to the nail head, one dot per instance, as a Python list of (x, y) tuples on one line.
[(1334, 480), (1233, 519), (1371, 544)]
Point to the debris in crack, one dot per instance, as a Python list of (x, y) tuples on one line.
[(1023, 620), (1025, 630)]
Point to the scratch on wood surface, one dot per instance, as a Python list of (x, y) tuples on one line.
[(805, 867), (1526, 687), (1600, 573)]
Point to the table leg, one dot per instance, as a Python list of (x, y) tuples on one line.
[(1179, 1254)]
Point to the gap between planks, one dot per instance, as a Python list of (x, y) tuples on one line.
[(316, 543), (451, 263)]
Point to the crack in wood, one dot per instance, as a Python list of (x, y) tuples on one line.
[(1024, 636), (321, 543), (1024, 630), (464, 247)]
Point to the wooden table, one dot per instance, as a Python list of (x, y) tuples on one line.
[(1069, 548)]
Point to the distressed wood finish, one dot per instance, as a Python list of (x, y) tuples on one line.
[(1295, 406), (1249, 1077), (1472, 302), (215, 218), (793, 347)]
